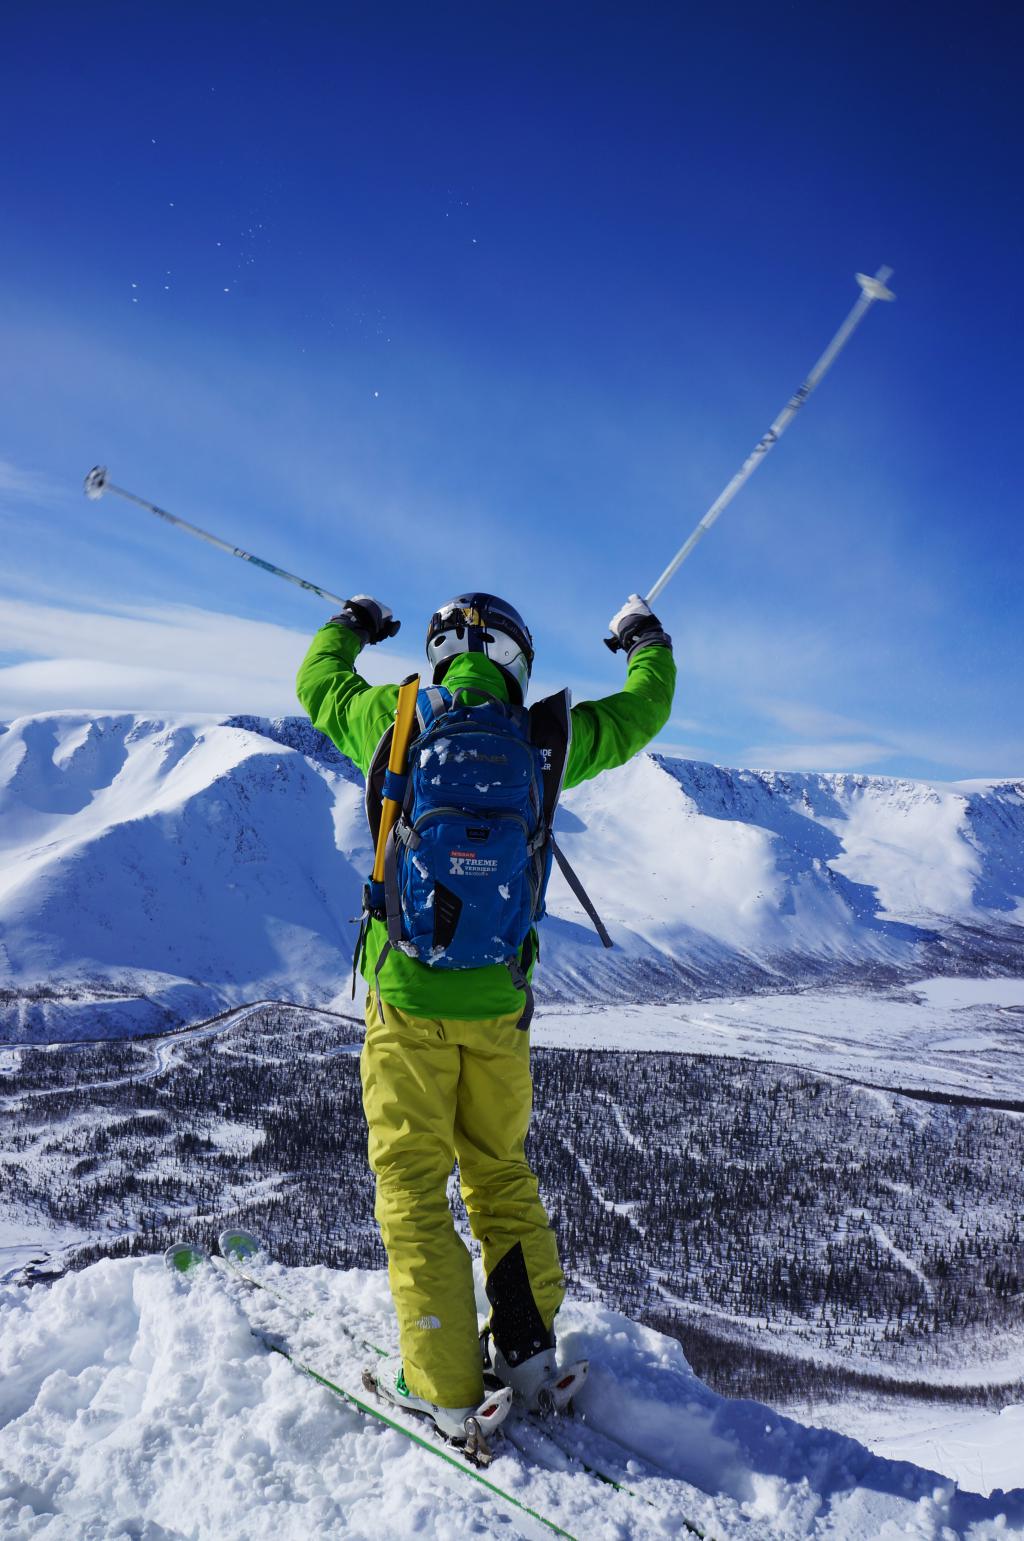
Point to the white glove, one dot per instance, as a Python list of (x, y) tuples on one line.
[(635, 626), (368, 618)]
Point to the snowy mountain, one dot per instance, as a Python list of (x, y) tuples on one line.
[(133, 1405), (159, 870)]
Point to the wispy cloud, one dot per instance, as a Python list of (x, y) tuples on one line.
[(843, 754), (803, 718), (65, 684), (680, 751), (852, 744), (20, 487), (753, 656), (180, 658), (183, 658), (165, 659), (774, 678)]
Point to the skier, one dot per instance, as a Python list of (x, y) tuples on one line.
[(445, 1063)]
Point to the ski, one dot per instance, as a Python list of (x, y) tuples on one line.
[(182, 1259), (238, 1248), (465, 1468)]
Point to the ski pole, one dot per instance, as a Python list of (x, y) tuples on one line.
[(391, 804), (97, 483), (871, 289)]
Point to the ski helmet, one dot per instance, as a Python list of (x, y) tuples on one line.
[(482, 623)]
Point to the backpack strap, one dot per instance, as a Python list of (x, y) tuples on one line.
[(373, 797), (551, 732), (581, 893), (393, 902), (519, 969), (431, 704), (381, 900)]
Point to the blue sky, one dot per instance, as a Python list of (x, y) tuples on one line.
[(412, 299)]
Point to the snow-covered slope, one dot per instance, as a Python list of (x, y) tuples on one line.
[(132, 1405), (161, 869), (157, 870)]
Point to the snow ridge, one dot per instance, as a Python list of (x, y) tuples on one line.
[(131, 1404)]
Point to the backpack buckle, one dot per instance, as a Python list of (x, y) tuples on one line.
[(539, 841), (405, 834)]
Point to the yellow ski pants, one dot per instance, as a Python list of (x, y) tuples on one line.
[(435, 1091)]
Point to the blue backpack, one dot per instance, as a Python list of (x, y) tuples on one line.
[(467, 865)]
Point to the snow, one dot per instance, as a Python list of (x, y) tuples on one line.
[(159, 870), (957, 1036), (981, 1451), (955, 994), (907, 848), (156, 870), (132, 1404)]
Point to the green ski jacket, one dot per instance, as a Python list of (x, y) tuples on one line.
[(354, 715)]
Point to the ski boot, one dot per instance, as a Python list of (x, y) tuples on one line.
[(468, 1428), (537, 1382)]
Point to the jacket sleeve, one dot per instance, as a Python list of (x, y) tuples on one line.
[(339, 701), (609, 732)]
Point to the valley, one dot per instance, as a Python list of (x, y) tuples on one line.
[(802, 1235), (781, 1121)]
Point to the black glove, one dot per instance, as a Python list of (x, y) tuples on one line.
[(368, 618), (635, 626)]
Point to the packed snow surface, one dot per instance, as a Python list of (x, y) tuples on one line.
[(135, 1405), (958, 1036), (981, 1450), (157, 870)]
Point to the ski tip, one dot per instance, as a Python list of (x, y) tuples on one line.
[(183, 1258), (95, 482), (875, 288), (238, 1246)]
